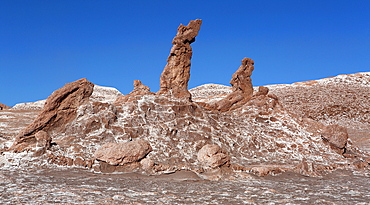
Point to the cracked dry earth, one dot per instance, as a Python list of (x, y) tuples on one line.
[(279, 134)]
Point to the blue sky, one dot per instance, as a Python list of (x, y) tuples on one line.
[(45, 44)]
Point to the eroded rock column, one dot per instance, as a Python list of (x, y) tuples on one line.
[(176, 74)]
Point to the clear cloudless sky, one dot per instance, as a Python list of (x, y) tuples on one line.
[(45, 44)]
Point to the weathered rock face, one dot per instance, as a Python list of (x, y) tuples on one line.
[(123, 153), (3, 107), (176, 74), (139, 89), (60, 108), (212, 156), (336, 135)]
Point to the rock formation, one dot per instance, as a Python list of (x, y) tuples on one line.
[(176, 74), (262, 91), (43, 141), (212, 156), (139, 89), (123, 153), (60, 108), (3, 107), (162, 134), (336, 135), (242, 89)]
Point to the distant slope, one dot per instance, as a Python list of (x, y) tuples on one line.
[(101, 94), (344, 99)]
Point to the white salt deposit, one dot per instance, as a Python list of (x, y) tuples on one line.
[(100, 94), (38, 105), (105, 94)]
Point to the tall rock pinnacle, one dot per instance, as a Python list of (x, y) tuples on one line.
[(176, 74), (241, 79)]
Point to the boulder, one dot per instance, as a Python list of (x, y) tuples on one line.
[(123, 153), (3, 107), (139, 89), (176, 74), (336, 135), (211, 156), (60, 108), (43, 139), (147, 164)]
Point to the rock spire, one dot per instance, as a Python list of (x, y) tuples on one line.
[(176, 74), (242, 87)]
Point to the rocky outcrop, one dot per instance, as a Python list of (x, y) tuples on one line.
[(123, 153), (3, 107), (242, 89), (139, 89), (60, 108), (262, 91), (211, 156), (264, 101), (258, 134), (176, 74), (336, 135), (43, 141)]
